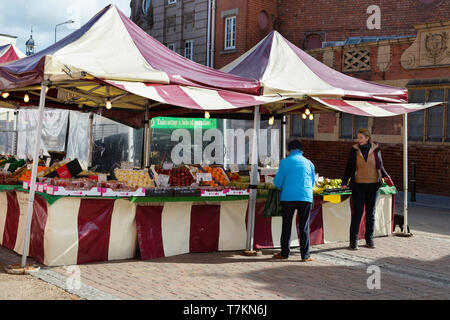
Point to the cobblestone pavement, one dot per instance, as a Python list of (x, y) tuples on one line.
[(416, 267)]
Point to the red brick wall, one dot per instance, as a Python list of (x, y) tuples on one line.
[(432, 168), (388, 125), (221, 59), (341, 19), (254, 32), (327, 121), (248, 33)]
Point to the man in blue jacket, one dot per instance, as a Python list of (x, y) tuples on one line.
[(295, 177)]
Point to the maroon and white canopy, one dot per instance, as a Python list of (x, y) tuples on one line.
[(111, 48), (286, 70), (9, 53)]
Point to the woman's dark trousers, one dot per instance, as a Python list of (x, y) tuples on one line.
[(363, 195)]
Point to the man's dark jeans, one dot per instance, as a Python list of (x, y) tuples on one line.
[(363, 194), (303, 211)]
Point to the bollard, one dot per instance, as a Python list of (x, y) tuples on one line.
[(413, 182)]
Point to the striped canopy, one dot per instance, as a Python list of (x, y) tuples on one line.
[(286, 70), (111, 49), (9, 53)]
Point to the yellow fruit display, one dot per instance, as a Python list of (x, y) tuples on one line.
[(134, 178)]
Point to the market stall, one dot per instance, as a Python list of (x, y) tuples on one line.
[(159, 208), (285, 70), (154, 214), (67, 75), (96, 230)]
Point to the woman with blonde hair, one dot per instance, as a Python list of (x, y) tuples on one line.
[(365, 171)]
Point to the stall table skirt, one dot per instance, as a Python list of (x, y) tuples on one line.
[(71, 230), (171, 228), (75, 230)]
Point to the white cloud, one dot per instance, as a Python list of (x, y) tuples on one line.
[(18, 16)]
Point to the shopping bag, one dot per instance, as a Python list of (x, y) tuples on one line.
[(273, 205)]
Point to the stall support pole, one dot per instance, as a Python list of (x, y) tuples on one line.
[(146, 138), (283, 138), (91, 138), (34, 173), (253, 184), (405, 178)]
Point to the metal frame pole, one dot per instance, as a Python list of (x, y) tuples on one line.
[(283, 139), (91, 139), (34, 174), (146, 137), (253, 181), (405, 174)]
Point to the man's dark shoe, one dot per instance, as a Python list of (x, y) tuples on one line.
[(353, 247), (370, 245), (279, 256)]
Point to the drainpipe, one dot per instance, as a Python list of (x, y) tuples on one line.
[(208, 37), (213, 32)]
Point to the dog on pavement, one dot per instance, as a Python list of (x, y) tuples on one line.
[(399, 221)]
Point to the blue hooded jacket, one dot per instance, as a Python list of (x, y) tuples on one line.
[(295, 177)]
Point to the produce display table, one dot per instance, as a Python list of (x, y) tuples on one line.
[(77, 230)]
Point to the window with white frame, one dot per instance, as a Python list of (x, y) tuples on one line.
[(230, 33), (189, 49), (171, 46), (171, 1)]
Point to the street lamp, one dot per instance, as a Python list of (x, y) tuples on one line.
[(60, 24)]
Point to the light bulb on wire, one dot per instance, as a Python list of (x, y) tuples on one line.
[(311, 117), (307, 111), (271, 120), (26, 98), (304, 116), (108, 104), (5, 95), (207, 115)]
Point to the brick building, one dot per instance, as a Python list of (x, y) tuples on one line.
[(252, 21), (180, 25), (381, 41), (404, 43), (308, 23)]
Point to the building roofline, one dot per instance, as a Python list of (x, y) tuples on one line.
[(7, 35), (408, 40)]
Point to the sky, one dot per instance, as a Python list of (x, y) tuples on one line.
[(17, 17)]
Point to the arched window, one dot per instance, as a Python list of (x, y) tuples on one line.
[(263, 20), (145, 6)]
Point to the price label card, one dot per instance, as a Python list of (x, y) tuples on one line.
[(29, 166), (204, 176), (47, 162), (167, 166), (6, 167), (163, 180), (234, 168), (269, 179), (102, 178)]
